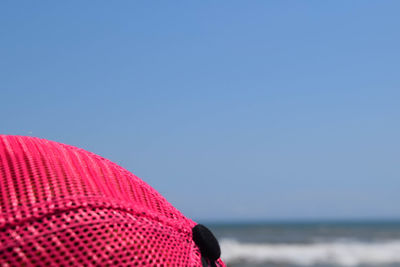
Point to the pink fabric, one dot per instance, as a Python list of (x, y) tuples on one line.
[(61, 205)]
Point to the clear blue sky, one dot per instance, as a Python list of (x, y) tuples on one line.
[(233, 110)]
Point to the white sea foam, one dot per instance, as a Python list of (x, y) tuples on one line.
[(345, 253)]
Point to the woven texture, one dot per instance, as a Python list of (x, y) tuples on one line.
[(61, 205)]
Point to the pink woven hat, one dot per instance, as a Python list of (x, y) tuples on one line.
[(64, 206)]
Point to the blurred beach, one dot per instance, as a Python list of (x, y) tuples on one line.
[(317, 244), (232, 110)]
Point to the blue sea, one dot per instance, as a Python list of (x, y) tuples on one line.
[(316, 244)]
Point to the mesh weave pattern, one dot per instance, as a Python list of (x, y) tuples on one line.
[(60, 205)]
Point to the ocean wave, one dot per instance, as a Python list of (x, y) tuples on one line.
[(344, 253)]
